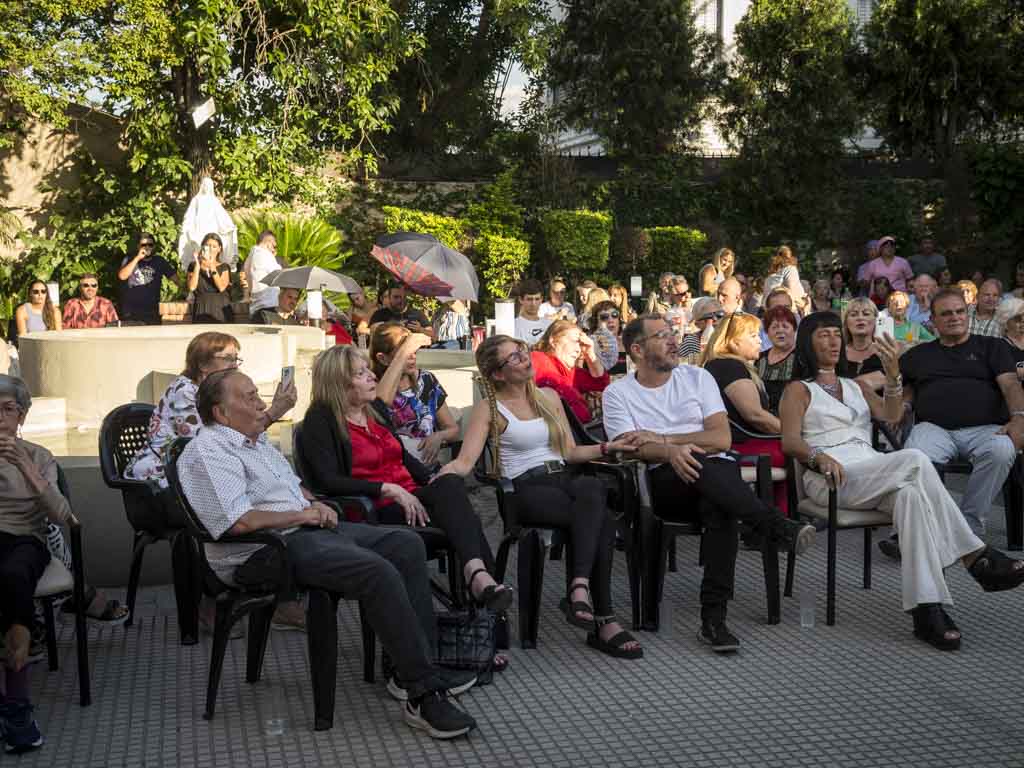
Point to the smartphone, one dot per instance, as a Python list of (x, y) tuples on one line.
[(287, 376), (885, 325)]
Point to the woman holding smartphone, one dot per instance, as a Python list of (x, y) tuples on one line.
[(208, 279)]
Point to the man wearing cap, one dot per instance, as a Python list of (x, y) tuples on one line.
[(888, 265)]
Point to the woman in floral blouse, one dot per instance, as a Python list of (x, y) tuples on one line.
[(411, 400), (176, 416)]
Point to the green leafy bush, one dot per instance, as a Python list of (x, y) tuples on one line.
[(577, 240), (448, 230), (502, 261), (675, 249), (302, 241)]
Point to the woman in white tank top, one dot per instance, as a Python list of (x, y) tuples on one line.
[(531, 444), (826, 424)]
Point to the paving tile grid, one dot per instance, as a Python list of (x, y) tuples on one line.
[(861, 693)]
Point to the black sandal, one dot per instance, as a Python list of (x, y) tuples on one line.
[(573, 607), (496, 597), (931, 623), (995, 571), (613, 645)]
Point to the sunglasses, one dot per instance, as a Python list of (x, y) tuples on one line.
[(684, 294), (714, 315), (146, 244), (610, 315), (90, 285)]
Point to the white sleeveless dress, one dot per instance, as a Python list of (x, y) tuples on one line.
[(932, 530)]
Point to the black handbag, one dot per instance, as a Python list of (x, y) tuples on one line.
[(467, 640)]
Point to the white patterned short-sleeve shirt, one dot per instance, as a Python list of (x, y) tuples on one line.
[(224, 474)]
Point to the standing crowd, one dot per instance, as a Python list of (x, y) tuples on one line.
[(767, 364)]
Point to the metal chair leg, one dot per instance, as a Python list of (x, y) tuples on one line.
[(867, 557), (51, 634)]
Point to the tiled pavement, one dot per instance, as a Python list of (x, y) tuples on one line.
[(862, 693)]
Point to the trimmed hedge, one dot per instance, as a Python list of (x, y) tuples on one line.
[(678, 250), (578, 240), (502, 261), (448, 230)]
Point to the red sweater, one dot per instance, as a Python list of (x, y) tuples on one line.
[(569, 383)]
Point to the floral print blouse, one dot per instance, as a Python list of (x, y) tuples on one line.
[(175, 416)]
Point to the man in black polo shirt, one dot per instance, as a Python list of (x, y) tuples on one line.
[(968, 403), (395, 310)]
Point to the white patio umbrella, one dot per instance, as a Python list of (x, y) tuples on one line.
[(205, 214)]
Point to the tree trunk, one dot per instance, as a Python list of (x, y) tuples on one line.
[(195, 142)]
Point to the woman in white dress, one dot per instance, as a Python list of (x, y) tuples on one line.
[(826, 424)]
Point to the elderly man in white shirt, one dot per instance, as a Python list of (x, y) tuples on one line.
[(262, 260), (237, 482)]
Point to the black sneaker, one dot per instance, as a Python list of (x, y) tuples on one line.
[(891, 547), (437, 716), (456, 683), (718, 636), (796, 537), (20, 730)]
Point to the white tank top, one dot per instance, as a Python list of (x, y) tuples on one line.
[(524, 444), (843, 429)]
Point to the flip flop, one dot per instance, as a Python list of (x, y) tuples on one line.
[(99, 610)]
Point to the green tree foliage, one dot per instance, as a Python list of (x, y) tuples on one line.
[(497, 212), (577, 241), (942, 69), (449, 92), (638, 72), (289, 79), (787, 108), (447, 229), (997, 171)]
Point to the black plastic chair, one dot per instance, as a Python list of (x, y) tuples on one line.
[(124, 432), (837, 519), (434, 539), (56, 581), (258, 603), (655, 537)]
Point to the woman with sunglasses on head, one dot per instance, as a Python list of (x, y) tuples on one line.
[(529, 440), (38, 313), (712, 274), (566, 361), (826, 425), (209, 280), (176, 415)]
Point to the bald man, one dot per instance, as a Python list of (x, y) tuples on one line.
[(730, 295)]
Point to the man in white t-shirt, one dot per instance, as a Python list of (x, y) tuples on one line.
[(262, 260), (675, 416), (556, 307), (530, 326)]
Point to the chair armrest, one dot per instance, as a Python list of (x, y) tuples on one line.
[(754, 435), (77, 560), (269, 538), (340, 502), (504, 484)]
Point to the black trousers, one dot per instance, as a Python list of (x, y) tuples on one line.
[(577, 504), (22, 562), (720, 500), (382, 567), (448, 505)]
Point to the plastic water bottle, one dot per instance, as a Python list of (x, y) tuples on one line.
[(606, 346), (807, 598)]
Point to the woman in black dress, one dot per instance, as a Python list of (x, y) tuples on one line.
[(209, 279)]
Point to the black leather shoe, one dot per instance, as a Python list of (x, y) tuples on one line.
[(718, 636), (890, 547)]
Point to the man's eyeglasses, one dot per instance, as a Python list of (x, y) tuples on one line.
[(612, 314), (90, 285), (516, 358), (664, 333)]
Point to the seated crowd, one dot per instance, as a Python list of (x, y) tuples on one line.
[(757, 364)]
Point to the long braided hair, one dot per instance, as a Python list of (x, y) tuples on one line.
[(488, 364)]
